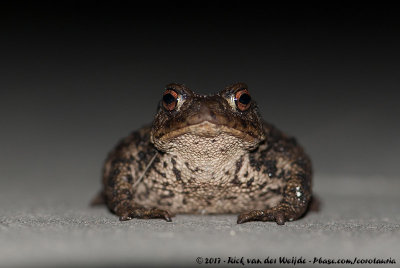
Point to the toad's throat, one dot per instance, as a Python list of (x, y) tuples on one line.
[(206, 154)]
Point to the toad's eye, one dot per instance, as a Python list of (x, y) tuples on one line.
[(170, 99), (242, 99)]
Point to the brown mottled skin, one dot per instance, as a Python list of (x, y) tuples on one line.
[(207, 154)]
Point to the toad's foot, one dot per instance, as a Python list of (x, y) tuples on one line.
[(262, 215), (143, 213)]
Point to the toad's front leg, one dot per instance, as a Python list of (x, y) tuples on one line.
[(119, 193), (296, 197)]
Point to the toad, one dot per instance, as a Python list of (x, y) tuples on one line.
[(207, 154)]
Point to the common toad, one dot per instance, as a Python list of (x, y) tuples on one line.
[(207, 154)]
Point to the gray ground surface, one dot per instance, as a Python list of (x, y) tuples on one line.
[(359, 217)]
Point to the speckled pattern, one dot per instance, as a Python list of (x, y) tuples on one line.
[(207, 154)]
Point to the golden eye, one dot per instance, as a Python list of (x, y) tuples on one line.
[(243, 99), (170, 99)]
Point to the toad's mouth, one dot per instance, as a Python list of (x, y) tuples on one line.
[(207, 119), (207, 129)]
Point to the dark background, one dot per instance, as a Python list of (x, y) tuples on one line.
[(76, 77)]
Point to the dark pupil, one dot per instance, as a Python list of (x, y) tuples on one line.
[(245, 99), (168, 98)]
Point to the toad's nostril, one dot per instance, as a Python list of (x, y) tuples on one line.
[(204, 109), (203, 113)]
